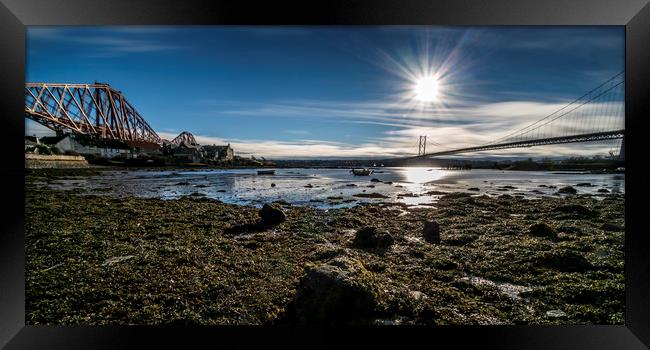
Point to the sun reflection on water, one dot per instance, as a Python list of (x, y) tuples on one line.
[(415, 178)]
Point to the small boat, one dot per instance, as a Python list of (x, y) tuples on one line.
[(361, 172), (265, 172)]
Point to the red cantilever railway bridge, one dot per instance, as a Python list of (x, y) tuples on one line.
[(91, 109)]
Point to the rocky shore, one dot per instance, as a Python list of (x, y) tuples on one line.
[(467, 259)]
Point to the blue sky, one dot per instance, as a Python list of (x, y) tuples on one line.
[(334, 91)]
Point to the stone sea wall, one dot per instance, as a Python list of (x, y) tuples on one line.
[(38, 161)]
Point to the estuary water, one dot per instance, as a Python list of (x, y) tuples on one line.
[(332, 188)]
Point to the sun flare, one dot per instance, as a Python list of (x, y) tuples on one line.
[(427, 89)]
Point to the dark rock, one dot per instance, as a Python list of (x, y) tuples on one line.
[(577, 210), (435, 193), (221, 190), (371, 186), (584, 184), (351, 185), (272, 214), (567, 190), (372, 237), (603, 190), (456, 195), (375, 180), (541, 229), (408, 194), (272, 185), (473, 189), (309, 186), (565, 261), (183, 183), (370, 195), (340, 291), (431, 232)]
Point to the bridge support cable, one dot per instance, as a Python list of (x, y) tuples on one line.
[(586, 114), (597, 115)]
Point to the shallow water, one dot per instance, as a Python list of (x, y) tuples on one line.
[(332, 188)]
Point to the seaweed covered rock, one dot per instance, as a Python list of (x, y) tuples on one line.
[(456, 195), (340, 291), (565, 261), (541, 229), (431, 232), (567, 190), (609, 226), (272, 214), (372, 237), (576, 210)]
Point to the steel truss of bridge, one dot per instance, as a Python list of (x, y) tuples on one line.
[(598, 136), (91, 109)]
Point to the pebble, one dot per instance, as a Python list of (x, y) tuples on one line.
[(555, 314)]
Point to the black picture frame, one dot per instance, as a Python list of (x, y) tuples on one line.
[(15, 15)]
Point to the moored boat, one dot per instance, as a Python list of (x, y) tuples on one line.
[(265, 172)]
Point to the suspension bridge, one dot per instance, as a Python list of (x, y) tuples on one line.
[(598, 115)]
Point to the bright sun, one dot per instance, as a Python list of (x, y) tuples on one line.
[(426, 89)]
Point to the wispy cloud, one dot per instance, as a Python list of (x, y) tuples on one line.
[(464, 126), (107, 43), (298, 132)]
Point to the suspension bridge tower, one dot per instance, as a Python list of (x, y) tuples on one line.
[(422, 146), (621, 152)]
